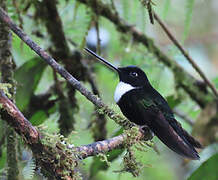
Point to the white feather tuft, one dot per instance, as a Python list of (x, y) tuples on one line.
[(121, 89)]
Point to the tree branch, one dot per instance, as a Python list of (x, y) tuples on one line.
[(46, 156), (65, 74), (21, 125), (189, 58), (182, 78), (24, 127), (102, 146), (32, 136)]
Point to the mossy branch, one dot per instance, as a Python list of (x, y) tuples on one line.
[(57, 158), (8, 85), (24, 127)]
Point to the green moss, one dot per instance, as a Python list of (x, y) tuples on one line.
[(119, 119), (56, 151), (103, 158), (5, 87), (130, 163)]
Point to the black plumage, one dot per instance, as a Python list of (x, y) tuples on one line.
[(143, 105)]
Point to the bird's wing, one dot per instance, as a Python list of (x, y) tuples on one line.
[(163, 129)]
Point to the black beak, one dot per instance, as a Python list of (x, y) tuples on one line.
[(103, 60)]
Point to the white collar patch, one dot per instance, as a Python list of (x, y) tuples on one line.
[(121, 89)]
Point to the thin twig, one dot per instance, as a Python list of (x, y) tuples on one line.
[(189, 58)]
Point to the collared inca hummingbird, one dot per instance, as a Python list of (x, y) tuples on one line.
[(143, 105)]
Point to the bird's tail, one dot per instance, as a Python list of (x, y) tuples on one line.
[(173, 135), (184, 134), (191, 140)]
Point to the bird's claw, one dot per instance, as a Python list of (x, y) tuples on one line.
[(147, 132)]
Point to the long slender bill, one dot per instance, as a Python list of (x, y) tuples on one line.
[(102, 60)]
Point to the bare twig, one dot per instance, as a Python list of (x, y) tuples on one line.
[(148, 5), (189, 58)]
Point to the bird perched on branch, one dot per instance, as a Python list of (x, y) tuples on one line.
[(143, 105)]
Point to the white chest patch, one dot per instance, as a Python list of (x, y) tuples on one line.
[(121, 89)]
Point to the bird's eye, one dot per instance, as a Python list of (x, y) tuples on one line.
[(133, 74)]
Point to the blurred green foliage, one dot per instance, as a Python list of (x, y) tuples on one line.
[(28, 77), (207, 170)]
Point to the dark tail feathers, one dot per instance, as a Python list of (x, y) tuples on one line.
[(187, 136)]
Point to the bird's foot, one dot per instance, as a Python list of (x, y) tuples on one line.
[(147, 132), (143, 128)]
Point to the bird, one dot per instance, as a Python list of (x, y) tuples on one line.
[(145, 106)]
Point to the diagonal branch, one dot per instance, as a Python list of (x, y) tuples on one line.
[(65, 74), (18, 121), (189, 58)]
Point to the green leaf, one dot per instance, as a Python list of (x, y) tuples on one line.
[(28, 77), (207, 170), (172, 101), (38, 118), (21, 52)]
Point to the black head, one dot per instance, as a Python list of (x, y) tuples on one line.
[(131, 74)]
